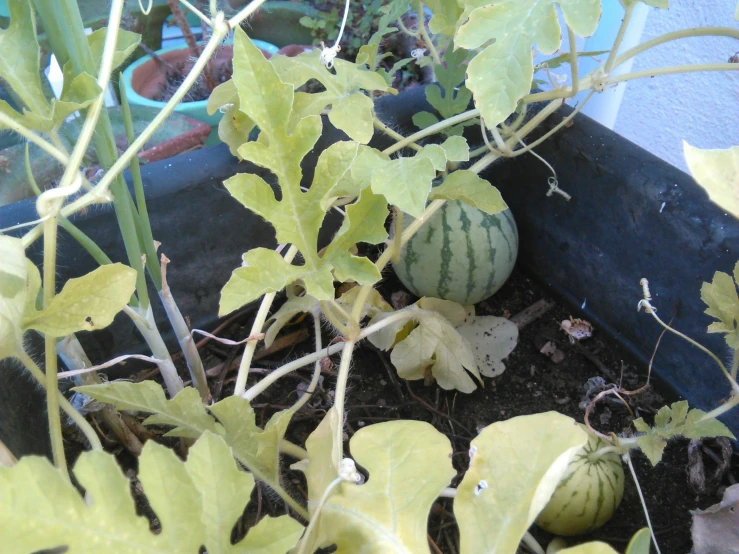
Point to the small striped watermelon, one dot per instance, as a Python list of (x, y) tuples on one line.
[(461, 254), (588, 494)]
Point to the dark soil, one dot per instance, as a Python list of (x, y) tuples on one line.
[(532, 383), (200, 90)]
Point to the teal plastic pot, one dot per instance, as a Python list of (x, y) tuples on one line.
[(142, 79)]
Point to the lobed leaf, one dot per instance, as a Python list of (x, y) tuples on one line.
[(467, 186), (408, 464), (232, 418), (87, 303), (492, 339), (672, 421), (196, 503), (640, 543), (501, 74), (352, 110), (287, 134), (405, 183), (723, 304), (514, 468), (590, 548)]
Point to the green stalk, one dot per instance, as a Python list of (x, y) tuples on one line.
[(52, 387), (138, 186), (73, 414), (256, 328), (619, 37), (65, 31), (689, 68), (425, 35)]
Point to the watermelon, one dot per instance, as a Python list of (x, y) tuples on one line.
[(460, 254), (587, 495)]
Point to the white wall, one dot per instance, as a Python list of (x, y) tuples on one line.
[(702, 108)]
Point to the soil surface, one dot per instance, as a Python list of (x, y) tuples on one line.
[(532, 383)]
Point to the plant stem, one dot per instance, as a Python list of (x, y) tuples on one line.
[(73, 414), (725, 407), (340, 396), (184, 336), (286, 447), (205, 19), (425, 35), (52, 386), (529, 540), (256, 328), (138, 186), (100, 190), (620, 36), (392, 134), (643, 502), (246, 12), (675, 35), (8, 122), (573, 61), (689, 68), (330, 350), (735, 364), (316, 512), (734, 385), (432, 130)]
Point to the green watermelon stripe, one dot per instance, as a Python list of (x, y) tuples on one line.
[(410, 259), (466, 226), (446, 256), (496, 222), (487, 224), (514, 229)]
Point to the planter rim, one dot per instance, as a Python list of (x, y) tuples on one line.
[(135, 98)]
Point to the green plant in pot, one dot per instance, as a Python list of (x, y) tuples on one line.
[(518, 467)]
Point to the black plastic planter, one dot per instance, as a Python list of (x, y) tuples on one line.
[(592, 251)]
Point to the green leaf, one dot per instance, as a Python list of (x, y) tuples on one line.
[(514, 468), (16, 286), (13, 268), (672, 421), (185, 412), (405, 183), (196, 502), (256, 448), (87, 303), (351, 110), (723, 303), (716, 171), (126, 42), (436, 346), (640, 542), (456, 149), (319, 468), (235, 126), (446, 13), (263, 271), (465, 185), (285, 138), (234, 420), (292, 307), (21, 70), (225, 490), (409, 463), (501, 74), (451, 74)]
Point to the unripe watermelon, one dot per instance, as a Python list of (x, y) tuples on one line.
[(461, 254), (587, 495)]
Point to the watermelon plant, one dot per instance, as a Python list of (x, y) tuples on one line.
[(525, 468)]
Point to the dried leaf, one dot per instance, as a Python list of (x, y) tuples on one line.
[(716, 530)]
